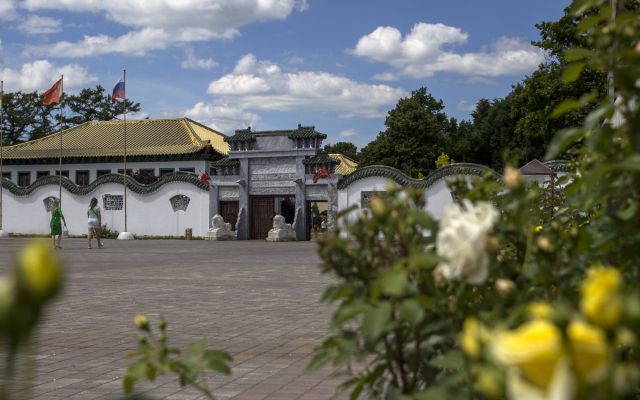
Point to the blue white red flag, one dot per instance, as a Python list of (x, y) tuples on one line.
[(118, 90), (292, 202)]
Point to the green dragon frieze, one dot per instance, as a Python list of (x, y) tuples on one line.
[(132, 184)]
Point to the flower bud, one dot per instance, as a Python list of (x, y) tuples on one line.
[(38, 272), (141, 322), (491, 382), (544, 243), (538, 229), (492, 243), (162, 323), (555, 225), (505, 287), (377, 206), (513, 178)]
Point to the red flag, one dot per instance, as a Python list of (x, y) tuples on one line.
[(53, 95), (204, 178), (323, 173)]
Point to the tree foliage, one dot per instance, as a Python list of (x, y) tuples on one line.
[(347, 149), (416, 134), (26, 118)]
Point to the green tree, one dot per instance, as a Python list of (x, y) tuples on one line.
[(25, 117), (347, 149), (95, 105), (443, 160), (416, 134)]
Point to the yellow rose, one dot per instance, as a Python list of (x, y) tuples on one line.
[(540, 310), (534, 348), (538, 229), (39, 271), (473, 336), (589, 349), (600, 299), (490, 382)]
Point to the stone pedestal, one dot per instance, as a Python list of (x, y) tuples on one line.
[(220, 230), (125, 236), (281, 231)]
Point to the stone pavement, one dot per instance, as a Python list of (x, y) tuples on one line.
[(256, 300)]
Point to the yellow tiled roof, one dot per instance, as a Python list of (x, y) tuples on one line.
[(346, 166), (106, 138)]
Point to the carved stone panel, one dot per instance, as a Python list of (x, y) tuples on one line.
[(48, 202), (228, 193), (366, 197), (272, 177), (273, 160), (272, 169), (257, 184), (317, 192), (179, 202), (112, 202), (276, 191)]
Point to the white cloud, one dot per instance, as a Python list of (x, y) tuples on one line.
[(222, 118), (40, 75), (133, 43), (429, 49), (480, 79), (261, 85), (197, 63), (8, 10), (464, 106), (348, 133), (35, 24), (295, 60)]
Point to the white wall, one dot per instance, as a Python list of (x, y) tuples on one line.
[(437, 196), (94, 167), (146, 214)]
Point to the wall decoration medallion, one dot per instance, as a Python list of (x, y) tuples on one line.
[(179, 202), (48, 202)]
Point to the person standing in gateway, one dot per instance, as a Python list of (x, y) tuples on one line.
[(56, 228), (95, 221)]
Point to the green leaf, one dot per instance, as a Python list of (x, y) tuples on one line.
[(151, 372), (411, 311), (453, 359), (198, 347), (319, 360), (630, 163), (356, 392), (577, 54), (628, 212), (393, 281), (218, 366), (375, 320), (426, 259), (188, 376), (216, 355), (566, 105), (571, 72), (348, 311), (137, 371), (127, 383), (561, 140)]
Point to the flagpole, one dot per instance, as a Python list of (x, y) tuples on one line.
[(1, 161), (125, 149), (60, 126)]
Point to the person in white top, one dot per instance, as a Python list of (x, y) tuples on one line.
[(95, 221)]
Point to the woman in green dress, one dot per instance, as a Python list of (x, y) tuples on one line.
[(56, 228)]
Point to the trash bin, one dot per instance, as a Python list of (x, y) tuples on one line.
[(188, 233)]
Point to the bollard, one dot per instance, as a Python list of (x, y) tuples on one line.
[(188, 233)]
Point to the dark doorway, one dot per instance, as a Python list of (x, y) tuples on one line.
[(261, 217), (288, 211), (229, 212)]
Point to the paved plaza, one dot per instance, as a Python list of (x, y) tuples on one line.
[(258, 301)]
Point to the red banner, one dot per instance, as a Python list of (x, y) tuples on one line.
[(53, 95), (323, 173)]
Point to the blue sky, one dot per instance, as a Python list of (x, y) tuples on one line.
[(272, 64)]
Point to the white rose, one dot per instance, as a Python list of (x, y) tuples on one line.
[(461, 240)]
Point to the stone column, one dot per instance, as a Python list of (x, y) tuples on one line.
[(301, 201), (277, 205), (332, 204), (214, 204), (244, 232)]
